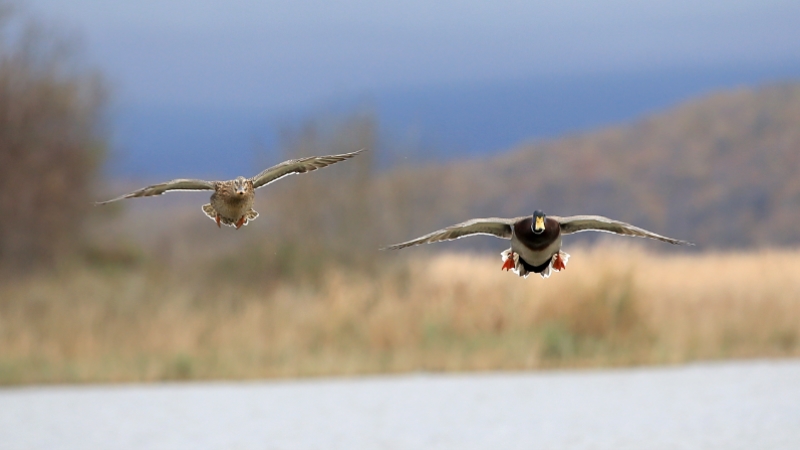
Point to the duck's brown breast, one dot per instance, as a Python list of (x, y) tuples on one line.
[(231, 206), (523, 231)]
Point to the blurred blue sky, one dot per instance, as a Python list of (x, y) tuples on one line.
[(255, 61)]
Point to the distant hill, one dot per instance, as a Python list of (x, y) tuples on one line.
[(723, 171), (447, 121)]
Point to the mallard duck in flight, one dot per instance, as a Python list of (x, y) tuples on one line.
[(536, 239), (232, 200)]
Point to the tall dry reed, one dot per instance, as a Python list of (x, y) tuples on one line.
[(431, 312)]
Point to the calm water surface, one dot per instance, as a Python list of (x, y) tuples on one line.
[(744, 405)]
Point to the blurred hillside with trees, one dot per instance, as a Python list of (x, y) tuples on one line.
[(51, 142), (722, 171)]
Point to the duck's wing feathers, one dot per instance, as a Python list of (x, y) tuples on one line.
[(576, 224), (301, 165), (158, 189), (493, 226)]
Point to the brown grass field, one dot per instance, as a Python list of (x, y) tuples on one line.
[(613, 306)]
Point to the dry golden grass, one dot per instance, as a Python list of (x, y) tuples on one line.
[(612, 306)]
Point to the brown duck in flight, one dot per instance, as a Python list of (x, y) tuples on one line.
[(535, 240), (232, 200)]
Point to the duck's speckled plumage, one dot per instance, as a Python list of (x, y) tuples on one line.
[(232, 200)]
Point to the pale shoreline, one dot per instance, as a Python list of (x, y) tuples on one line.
[(752, 404)]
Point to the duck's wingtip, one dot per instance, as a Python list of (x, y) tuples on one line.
[(352, 154)]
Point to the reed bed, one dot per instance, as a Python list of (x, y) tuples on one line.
[(424, 312)]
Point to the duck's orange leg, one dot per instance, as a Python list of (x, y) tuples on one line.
[(218, 225), (240, 222), (558, 263), (508, 264)]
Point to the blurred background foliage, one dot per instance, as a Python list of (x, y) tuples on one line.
[(52, 143), (150, 289)]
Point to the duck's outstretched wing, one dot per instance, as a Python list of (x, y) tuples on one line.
[(576, 224), (492, 226), (158, 189), (301, 165)]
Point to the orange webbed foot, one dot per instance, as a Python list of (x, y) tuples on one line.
[(240, 222), (218, 225), (558, 263), (508, 264)]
